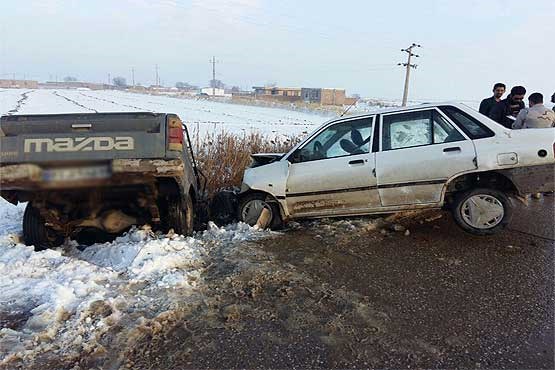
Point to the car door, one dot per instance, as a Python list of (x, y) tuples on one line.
[(420, 150), (332, 173)]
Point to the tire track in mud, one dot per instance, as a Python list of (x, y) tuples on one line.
[(74, 102), (116, 103), (20, 103)]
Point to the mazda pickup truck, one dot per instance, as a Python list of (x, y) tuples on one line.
[(96, 175), (427, 156)]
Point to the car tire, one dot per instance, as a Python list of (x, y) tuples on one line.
[(180, 216), (482, 211), (36, 233), (252, 203)]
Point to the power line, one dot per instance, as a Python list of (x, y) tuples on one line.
[(408, 66)]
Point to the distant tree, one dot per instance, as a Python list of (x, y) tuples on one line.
[(184, 85), (356, 96), (270, 84), (217, 84), (70, 79), (235, 89), (119, 81)]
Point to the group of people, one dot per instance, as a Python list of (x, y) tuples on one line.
[(511, 111)]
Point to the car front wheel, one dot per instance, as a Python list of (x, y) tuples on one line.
[(251, 208), (482, 211)]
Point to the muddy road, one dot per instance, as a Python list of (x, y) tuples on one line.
[(404, 292), (341, 294)]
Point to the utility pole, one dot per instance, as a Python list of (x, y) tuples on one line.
[(133, 76), (213, 62), (157, 77), (408, 67)]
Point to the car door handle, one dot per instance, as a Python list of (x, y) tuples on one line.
[(357, 161), (452, 149)]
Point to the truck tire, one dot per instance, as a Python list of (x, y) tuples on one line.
[(36, 233), (180, 216), (251, 206), (482, 211)]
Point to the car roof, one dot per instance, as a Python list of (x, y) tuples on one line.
[(393, 110), (402, 109)]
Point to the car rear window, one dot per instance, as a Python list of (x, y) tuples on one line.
[(471, 126)]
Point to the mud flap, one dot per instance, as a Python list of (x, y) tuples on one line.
[(264, 219)]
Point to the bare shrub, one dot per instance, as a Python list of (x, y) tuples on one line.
[(224, 156)]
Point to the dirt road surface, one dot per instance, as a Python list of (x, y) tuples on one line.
[(416, 292)]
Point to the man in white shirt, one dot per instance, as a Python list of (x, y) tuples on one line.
[(537, 116)]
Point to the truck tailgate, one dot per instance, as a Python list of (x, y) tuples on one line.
[(77, 137)]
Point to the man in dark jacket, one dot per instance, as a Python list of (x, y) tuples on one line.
[(553, 100), (488, 103), (506, 110)]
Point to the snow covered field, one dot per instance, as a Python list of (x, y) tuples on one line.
[(204, 115)]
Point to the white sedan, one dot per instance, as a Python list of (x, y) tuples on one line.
[(427, 156)]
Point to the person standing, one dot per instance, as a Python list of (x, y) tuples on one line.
[(488, 103), (536, 116), (506, 110), (553, 100)]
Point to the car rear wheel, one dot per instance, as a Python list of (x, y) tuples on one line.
[(251, 208), (35, 231), (482, 211)]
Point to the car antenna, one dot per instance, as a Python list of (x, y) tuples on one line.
[(349, 107)]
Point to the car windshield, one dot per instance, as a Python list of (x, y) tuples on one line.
[(341, 139)]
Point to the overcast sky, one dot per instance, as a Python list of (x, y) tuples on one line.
[(467, 45)]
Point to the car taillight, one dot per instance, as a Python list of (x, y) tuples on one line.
[(175, 134)]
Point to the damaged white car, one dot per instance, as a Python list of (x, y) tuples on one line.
[(427, 156)]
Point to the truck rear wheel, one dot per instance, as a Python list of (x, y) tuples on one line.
[(482, 211), (180, 216), (36, 233)]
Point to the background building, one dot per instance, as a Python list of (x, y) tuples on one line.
[(323, 96), (19, 84)]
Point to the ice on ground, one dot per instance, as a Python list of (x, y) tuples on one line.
[(49, 300), (10, 217), (144, 256)]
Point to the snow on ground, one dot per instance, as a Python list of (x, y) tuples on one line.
[(199, 115), (10, 99), (61, 300)]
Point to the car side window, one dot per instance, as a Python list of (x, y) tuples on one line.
[(471, 126), (339, 140), (410, 129), (444, 132)]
